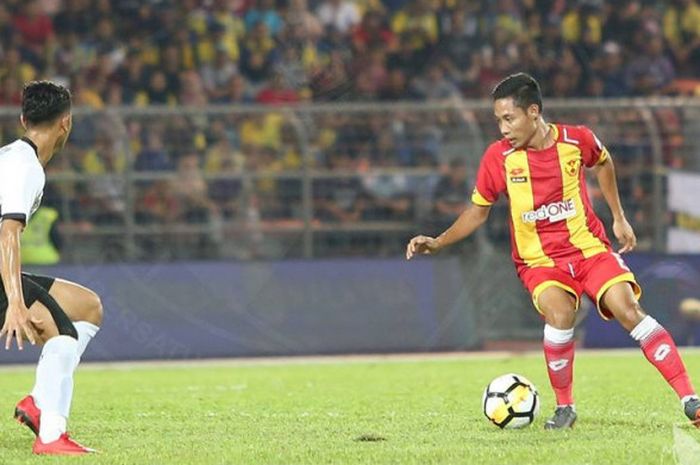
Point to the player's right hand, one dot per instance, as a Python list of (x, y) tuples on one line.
[(421, 245), (18, 324)]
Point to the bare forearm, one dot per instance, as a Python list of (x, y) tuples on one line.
[(608, 186), (10, 261), (468, 222)]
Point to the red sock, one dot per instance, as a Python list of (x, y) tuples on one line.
[(560, 366), (661, 351)]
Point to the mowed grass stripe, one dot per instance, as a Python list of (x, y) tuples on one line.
[(369, 411)]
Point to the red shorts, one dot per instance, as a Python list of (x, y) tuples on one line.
[(592, 276)]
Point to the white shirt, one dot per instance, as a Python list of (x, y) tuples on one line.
[(344, 17), (22, 180)]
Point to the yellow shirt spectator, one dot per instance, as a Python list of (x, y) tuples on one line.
[(262, 131), (680, 26), (425, 23), (571, 27)]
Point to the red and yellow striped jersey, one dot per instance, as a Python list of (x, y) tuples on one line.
[(552, 221)]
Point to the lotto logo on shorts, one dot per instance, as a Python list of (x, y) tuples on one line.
[(553, 212)]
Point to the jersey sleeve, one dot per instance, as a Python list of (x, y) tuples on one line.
[(489, 180), (19, 190), (593, 151)]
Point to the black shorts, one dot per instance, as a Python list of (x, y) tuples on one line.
[(36, 287), (32, 286)]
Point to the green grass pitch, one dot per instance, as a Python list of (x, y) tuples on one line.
[(366, 411)]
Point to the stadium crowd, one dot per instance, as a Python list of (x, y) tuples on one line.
[(269, 51), (193, 53)]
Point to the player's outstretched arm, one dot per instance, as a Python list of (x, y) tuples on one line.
[(470, 219), (605, 172), (17, 319)]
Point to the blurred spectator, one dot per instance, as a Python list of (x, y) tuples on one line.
[(264, 11), (300, 19), (257, 54), (419, 22), (373, 33), (331, 82), (434, 85), (277, 92), (192, 91), (343, 15), (584, 20), (153, 157), (612, 73), (451, 194), (370, 74), (190, 189), (651, 71), (7, 28), (236, 91), (145, 47), (157, 204), (395, 87), (339, 200), (388, 195), (34, 26), (623, 21)]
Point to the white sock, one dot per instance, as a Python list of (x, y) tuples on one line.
[(644, 328), (86, 331), (52, 426), (558, 336), (53, 390)]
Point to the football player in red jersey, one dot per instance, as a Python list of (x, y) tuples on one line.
[(559, 245)]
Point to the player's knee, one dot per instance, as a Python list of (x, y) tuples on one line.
[(95, 309), (559, 317), (629, 314)]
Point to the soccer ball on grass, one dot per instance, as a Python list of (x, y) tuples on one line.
[(511, 401)]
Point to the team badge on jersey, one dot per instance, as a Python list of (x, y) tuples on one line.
[(571, 167)]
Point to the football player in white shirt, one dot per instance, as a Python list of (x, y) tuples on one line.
[(61, 315)]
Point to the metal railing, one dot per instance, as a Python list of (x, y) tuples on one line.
[(162, 183)]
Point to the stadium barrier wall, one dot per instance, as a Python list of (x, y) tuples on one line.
[(303, 307), (225, 309)]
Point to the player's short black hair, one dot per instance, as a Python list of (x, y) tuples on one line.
[(44, 102), (524, 89)]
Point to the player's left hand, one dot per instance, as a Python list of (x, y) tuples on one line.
[(625, 235)]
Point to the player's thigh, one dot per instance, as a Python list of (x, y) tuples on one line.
[(46, 327), (555, 294), (620, 300), (558, 306), (610, 283), (78, 302)]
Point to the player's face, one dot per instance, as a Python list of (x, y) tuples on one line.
[(515, 124)]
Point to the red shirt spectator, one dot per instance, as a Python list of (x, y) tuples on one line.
[(372, 33), (34, 26), (277, 93)]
